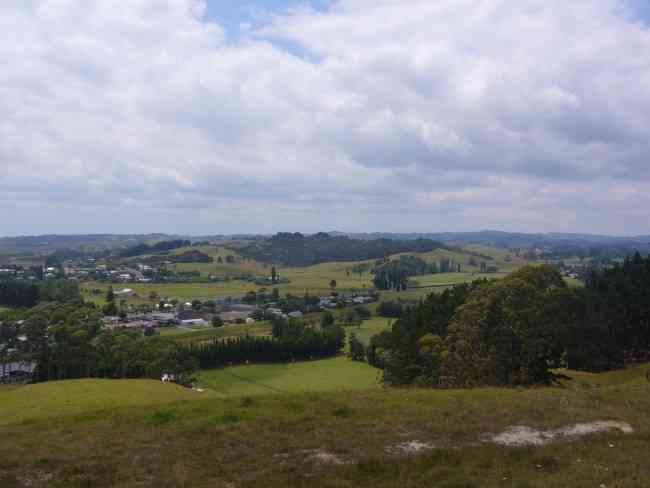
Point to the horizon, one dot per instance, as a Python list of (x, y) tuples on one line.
[(330, 232)]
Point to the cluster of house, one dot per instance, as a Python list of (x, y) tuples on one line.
[(140, 273), (345, 300), (14, 271), (185, 316)]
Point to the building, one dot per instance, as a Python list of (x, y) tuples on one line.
[(233, 317), (17, 372), (194, 323)]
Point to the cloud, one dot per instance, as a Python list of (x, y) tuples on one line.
[(385, 115)]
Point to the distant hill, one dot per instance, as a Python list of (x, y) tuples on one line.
[(511, 240), (295, 249)]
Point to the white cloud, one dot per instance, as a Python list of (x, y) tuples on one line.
[(454, 114)]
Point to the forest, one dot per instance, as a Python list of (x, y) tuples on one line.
[(27, 294), (519, 330), (295, 249)]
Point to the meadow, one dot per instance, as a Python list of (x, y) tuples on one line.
[(335, 374), (30, 403), (203, 334), (368, 436)]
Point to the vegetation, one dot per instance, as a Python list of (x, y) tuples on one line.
[(67, 341), (299, 250), (159, 247), (26, 294), (42, 401), (291, 341), (321, 438), (325, 375), (517, 330)]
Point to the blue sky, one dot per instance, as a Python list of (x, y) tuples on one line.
[(231, 13)]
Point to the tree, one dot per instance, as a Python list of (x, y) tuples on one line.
[(362, 312), (327, 319), (357, 351), (508, 332), (217, 321), (110, 295), (274, 275)]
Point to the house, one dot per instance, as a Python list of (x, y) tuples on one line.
[(194, 323), (17, 372), (190, 315), (233, 317)]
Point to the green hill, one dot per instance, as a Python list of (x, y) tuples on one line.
[(144, 434), (54, 399)]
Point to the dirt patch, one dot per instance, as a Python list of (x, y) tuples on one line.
[(322, 457), (526, 436), (36, 478), (409, 448)]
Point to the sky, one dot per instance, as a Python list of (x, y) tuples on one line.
[(257, 116)]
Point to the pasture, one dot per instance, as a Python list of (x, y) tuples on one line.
[(204, 334), (379, 437), (30, 403), (335, 374), (368, 328)]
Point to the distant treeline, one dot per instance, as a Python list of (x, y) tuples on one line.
[(158, 247), (299, 250), (291, 341), (394, 275), (517, 330), (27, 294)]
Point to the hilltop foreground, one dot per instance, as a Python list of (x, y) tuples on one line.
[(101, 433)]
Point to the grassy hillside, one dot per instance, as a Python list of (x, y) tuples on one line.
[(365, 438), (54, 399)]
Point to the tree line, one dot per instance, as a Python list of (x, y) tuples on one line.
[(27, 294), (516, 331), (291, 340), (395, 274)]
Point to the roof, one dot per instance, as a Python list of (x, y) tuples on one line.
[(232, 316)]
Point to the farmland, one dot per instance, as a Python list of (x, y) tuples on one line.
[(202, 334), (314, 279)]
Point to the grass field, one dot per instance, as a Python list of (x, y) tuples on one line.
[(343, 439), (334, 374), (370, 327), (202, 334), (41, 401)]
